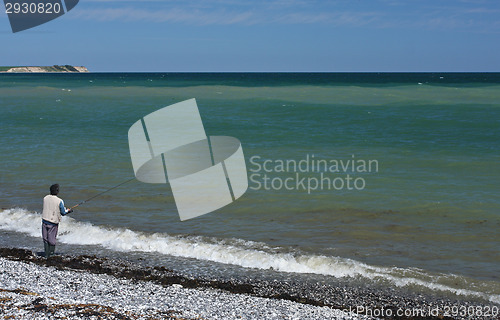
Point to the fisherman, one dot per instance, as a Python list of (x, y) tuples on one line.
[(53, 210)]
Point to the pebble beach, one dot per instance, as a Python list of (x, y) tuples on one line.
[(30, 291), (89, 287)]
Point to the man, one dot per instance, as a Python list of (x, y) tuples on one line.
[(53, 210)]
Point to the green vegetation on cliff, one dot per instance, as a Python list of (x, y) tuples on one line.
[(6, 68)]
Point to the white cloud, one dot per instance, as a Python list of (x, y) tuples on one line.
[(377, 14), (206, 16), (195, 17)]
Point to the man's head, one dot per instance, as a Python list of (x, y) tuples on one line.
[(54, 189)]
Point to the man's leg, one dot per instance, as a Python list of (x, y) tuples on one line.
[(45, 237), (52, 249), (46, 249), (51, 238)]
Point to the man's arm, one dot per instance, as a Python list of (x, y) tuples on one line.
[(63, 210)]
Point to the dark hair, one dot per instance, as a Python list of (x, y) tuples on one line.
[(54, 189)]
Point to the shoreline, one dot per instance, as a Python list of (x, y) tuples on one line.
[(328, 299), (32, 290)]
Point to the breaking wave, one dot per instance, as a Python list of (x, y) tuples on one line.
[(241, 253)]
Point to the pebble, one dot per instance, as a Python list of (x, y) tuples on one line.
[(30, 291)]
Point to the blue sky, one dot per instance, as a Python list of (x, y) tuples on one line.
[(272, 35)]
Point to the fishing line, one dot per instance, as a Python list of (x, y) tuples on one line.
[(99, 194)]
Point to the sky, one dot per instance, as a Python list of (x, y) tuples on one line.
[(264, 36)]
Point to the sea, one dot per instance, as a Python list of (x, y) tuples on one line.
[(392, 179)]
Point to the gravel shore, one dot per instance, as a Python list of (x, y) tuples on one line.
[(89, 287), (30, 291)]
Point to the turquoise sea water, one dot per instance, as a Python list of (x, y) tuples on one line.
[(428, 214)]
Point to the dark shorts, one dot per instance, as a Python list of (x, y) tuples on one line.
[(49, 233)]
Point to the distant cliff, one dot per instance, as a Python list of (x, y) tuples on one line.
[(66, 68)]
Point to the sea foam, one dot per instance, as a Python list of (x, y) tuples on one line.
[(238, 252)]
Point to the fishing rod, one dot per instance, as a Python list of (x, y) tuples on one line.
[(99, 194)]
